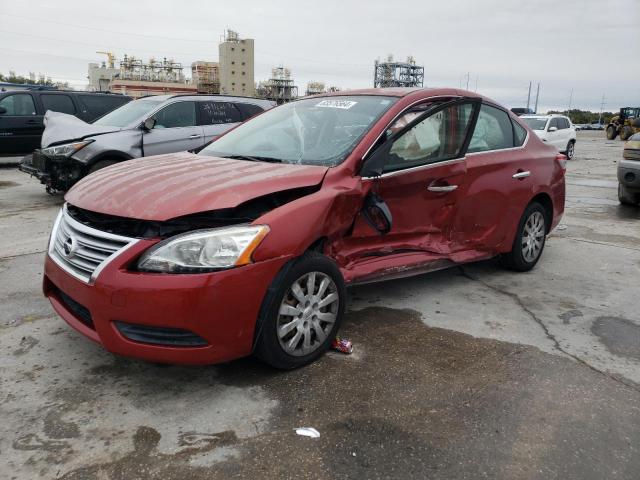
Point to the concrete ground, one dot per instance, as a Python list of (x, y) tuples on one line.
[(473, 372)]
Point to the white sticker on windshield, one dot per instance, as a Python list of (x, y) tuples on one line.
[(344, 104)]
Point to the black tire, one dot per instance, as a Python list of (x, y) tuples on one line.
[(515, 259), (570, 150), (626, 132), (268, 346), (100, 164), (612, 132), (626, 197)]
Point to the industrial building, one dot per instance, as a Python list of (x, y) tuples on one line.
[(398, 74), (206, 76), (315, 88), (280, 87), (236, 59)]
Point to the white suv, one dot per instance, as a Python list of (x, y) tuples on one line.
[(556, 130)]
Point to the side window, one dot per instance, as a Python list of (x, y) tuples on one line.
[(248, 110), (493, 131), (567, 124), (519, 133), (20, 104), (437, 138), (58, 103), (179, 114), (554, 123), (215, 113), (97, 105)]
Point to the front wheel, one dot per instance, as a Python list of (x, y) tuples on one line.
[(612, 133), (530, 239), (99, 165), (301, 312), (626, 197), (626, 132), (570, 150)]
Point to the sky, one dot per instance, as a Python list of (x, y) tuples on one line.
[(578, 50)]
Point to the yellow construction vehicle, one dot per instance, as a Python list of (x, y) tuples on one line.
[(625, 124)]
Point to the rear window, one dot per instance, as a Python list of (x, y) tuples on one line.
[(215, 113), (58, 103), (95, 106), (493, 130), (248, 110), (519, 133), (535, 123)]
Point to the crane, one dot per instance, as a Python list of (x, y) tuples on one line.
[(111, 58)]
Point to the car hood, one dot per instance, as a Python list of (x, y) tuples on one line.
[(60, 127), (168, 186)]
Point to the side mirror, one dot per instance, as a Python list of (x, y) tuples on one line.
[(149, 123), (377, 214), (552, 129), (3, 110), (374, 165)]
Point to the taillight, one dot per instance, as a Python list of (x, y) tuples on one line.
[(562, 160)]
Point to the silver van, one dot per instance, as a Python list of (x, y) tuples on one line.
[(72, 148)]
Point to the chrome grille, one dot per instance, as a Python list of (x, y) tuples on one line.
[(83, 251)]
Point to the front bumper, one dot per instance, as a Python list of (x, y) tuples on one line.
[(59, 174), (629, 174), (220, 307)]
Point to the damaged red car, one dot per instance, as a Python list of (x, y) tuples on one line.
[(248, 246)]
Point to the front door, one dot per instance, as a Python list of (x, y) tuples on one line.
[(175, 130), (421, 178), (20, 125)]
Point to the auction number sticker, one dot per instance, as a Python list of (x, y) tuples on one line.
[(343, 104)]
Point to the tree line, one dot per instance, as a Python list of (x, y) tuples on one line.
[(585, 116)]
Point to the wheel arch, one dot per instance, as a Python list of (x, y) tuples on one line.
[(544, 199), (109, 155)]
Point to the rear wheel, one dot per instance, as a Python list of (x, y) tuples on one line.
[(530, 239), (301, 312), (100, 165), (612, 133), (570, 150), (626, 197)]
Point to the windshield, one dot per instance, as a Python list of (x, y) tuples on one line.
[(534, 123), (313, 131), (134, 111)]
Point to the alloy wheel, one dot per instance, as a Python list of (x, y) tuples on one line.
[(307, 313), (533, 236), (570, 150)]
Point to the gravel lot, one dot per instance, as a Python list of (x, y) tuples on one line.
[(471, 372)]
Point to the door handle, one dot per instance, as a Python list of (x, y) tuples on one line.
[(195, 135), (442, 188), (521, 175)]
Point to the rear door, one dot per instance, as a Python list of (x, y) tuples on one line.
[(176, 130), (217, 117), (58, 102), (500, 176), (20, 126)]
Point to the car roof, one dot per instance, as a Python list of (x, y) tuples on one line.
[(204, 96), (550, 115), (399, 92)]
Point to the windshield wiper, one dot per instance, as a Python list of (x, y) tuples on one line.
[(254, 158)]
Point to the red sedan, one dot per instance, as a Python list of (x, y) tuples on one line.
[(247, 246)]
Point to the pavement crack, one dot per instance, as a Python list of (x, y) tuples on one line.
[(516, 298)]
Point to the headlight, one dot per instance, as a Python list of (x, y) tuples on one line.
[(65, 150), (204, 250)]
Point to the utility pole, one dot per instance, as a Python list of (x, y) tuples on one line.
[(467, 80), (570, 100), (529, 97), (535, 109), (476, 89), (602, 104)]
